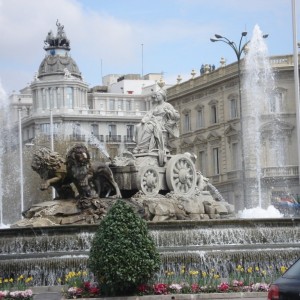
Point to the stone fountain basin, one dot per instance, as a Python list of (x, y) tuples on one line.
[(50, 252)]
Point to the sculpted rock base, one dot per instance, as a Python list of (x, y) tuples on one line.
[(157, 209)]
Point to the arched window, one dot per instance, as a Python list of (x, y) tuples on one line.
[(69, 97)]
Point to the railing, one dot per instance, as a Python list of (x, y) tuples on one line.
[(128, 139), (100, 138), (222, 72), (288, 171), (113, 139), (102, 112)]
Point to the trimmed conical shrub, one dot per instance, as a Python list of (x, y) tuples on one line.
[(123, 255)]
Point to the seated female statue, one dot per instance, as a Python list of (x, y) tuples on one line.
[(157, 125)]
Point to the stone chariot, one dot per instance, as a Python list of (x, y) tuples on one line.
[(153, 173)]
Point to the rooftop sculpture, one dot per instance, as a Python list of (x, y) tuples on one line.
[(60, 40)]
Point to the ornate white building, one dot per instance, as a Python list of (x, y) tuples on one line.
[(104, 116)]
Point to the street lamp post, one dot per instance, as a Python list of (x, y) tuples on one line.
[(21, 157), (52, 142), (238, 50)]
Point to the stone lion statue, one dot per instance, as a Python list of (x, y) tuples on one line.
[(91, 179), (52, 169)]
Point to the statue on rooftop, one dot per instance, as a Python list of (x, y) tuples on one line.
[(60, 40)]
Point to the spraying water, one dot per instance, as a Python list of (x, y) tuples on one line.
[(258, 96), (3, 127)]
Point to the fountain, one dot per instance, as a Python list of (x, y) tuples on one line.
[(3, 106), (189, 226), (5, 133), (259, 99)]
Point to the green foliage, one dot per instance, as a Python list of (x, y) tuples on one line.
[(123, 255)]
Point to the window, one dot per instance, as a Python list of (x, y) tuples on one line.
[(187, 123), (45, 128), (120, 105), (216, 161), (69, 97), (130, 131), (76, 130), (202, 162), (44, 103), (58, 97), (90, 104), (111, 104), (277, 152), (234, 156), (200, 120), (213, 109), (128, 105), (95, 129), (112, 130), (276, 102), (51, 99), (233, 108)]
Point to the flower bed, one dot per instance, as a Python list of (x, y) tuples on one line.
[(16, 295), (180, 282)]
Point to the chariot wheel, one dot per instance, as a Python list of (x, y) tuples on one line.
[(181, 175), (149, 181)]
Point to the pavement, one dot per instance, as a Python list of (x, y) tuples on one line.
[(56, 293)]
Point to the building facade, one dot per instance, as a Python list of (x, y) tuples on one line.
[(210, 127)]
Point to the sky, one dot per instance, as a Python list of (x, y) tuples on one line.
[(171, 37)]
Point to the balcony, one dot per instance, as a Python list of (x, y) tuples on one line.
[(287, 171), (113, 139), (128, 139), (98, 137), (77, 137)]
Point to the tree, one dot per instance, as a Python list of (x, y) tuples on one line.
[(123, 255)]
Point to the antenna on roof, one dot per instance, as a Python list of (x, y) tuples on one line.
[(101, 71), (142, 60)]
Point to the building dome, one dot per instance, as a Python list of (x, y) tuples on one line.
[(58, 66), (57, 62)]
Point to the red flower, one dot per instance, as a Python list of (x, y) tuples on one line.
[(94, 291), (79, 291), (160, 288), (195, 287), (224, 286), (143, 288), (87, 285)]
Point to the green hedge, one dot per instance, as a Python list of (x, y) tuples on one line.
[(123, 255)]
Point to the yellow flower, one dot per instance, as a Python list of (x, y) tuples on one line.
[(193, 272), (84, 273), (59, 280), (20, 277), (28, 279), (204, 274), (239, 268), (11, 280), (170, 273), (0, 280), (264, 272), (257, 269), (216, 276), (283, 269), (5, 280), (249, 270)]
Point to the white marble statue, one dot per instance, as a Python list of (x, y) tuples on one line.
[(157, 125)]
